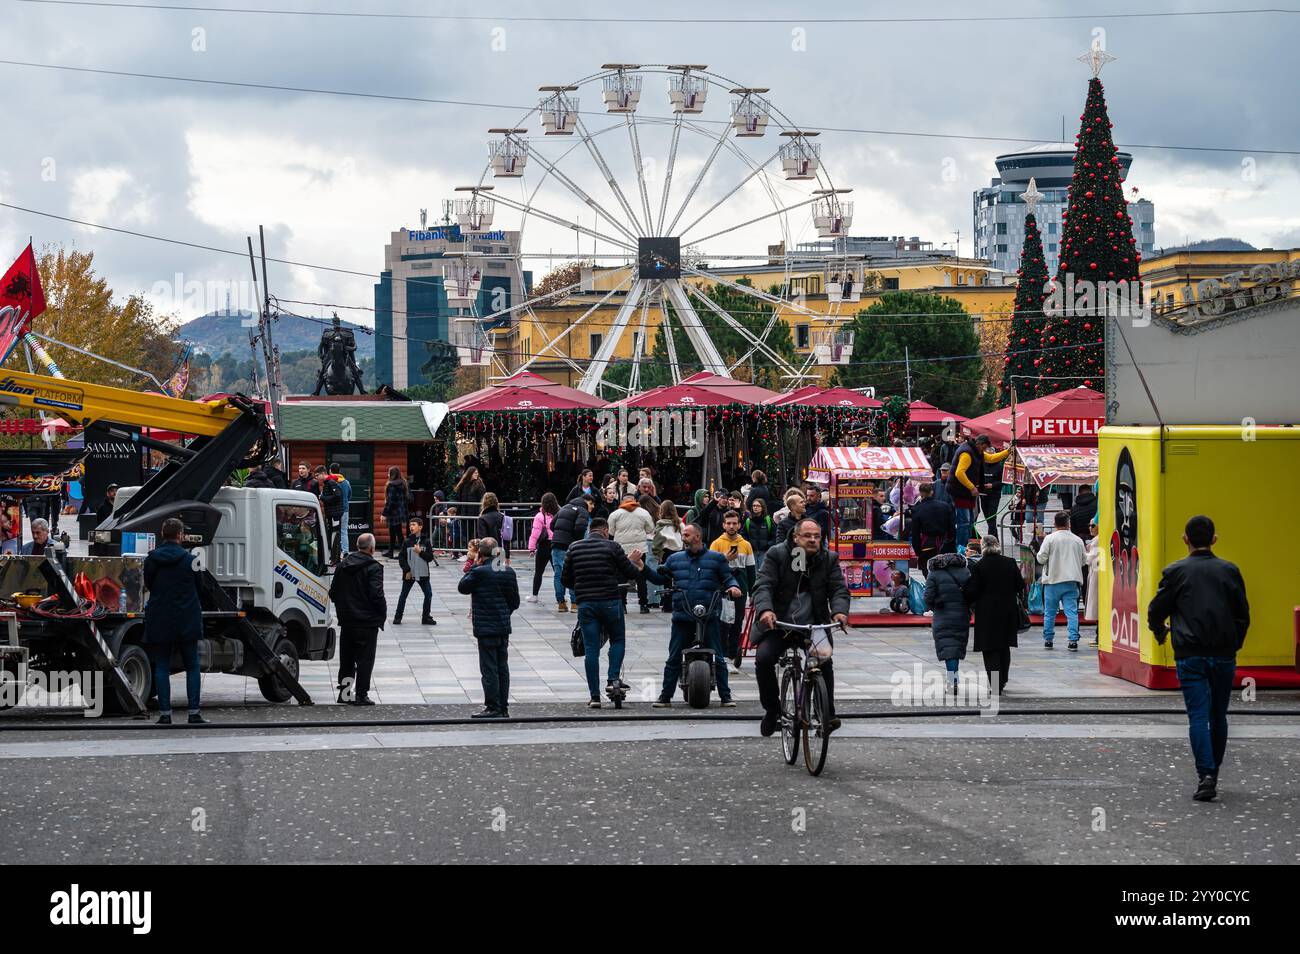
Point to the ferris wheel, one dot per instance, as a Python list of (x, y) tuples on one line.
[(661, 202)]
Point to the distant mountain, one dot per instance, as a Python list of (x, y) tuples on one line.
[(1211, 245), (220, 332)]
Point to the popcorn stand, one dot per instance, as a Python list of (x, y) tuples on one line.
[(853, 475)]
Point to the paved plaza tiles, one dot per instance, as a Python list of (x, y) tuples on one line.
[(439, 664)]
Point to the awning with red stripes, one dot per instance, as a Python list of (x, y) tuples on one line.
[(873, 463)]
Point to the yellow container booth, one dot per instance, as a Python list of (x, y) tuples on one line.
[(1244, 479)]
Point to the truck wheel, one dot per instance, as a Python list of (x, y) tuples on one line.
[(272, 689), (699, 684), (133, 659)]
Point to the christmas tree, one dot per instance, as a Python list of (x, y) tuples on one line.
[(1027, 320), (1097, 248)]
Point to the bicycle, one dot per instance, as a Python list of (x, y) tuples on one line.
[(805, 700)]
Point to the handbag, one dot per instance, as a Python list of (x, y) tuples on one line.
[(576, 644), (1024, 623)]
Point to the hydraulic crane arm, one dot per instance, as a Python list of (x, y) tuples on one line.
[(230, 433)]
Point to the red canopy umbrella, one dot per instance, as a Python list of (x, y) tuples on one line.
[(1069, 418), (919, 412), (814, 396), (526, 391), (703, 389)]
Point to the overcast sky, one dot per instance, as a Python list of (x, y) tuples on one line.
[(331, 177)]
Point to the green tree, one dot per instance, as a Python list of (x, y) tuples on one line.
[(1097, 246), (1023, 345), (924, 328)]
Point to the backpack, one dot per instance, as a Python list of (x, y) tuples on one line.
[(507, 528), (330, 491)]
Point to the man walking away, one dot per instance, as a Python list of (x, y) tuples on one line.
[(357, 592), (173, 618), (593, 570), (568, 527), (1062, 558), (933, 524), (493, 590), (1204, 600)]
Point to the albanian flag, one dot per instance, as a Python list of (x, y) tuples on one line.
[(21, 300)]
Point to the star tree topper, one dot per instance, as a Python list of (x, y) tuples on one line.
[(1031, 196), (1096, 58)]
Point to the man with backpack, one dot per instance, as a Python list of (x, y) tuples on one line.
[(933, 525), (336, 474), (568, 527), (331, 501)]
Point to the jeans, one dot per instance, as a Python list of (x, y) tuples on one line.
[(965, 523), (343, 533), (592, 617), (1207, 688), (423, 583), (162, 674), (357, 645), (494, 667), (1053, 595), (766, 657), (683, 635), (557, 568)]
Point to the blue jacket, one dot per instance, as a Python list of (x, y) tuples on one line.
[(494, 595), (173, 613), (696, 577)]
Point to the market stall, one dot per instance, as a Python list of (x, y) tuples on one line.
[(854, 476)]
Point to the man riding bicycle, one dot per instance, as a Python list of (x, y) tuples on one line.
[(799, 582)]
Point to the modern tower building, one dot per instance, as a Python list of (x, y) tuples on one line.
[(1000, 213)]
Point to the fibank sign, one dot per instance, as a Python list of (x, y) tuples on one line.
[(452, 233)]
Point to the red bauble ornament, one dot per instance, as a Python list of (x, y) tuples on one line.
[(1088, 194), (1092, 265), (1087, 326)]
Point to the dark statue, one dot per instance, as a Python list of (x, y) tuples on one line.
[(339, 373)]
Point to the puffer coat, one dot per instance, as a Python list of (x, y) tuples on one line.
[(945, 597)]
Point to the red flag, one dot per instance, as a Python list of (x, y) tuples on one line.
[(21, 300)]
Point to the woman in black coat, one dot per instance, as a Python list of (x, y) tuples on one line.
[(490, 520), (994, 591)]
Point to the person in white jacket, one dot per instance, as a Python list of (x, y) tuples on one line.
[(1062, 558), (631, 527)]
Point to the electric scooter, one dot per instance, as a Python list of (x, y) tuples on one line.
[(699, 673)]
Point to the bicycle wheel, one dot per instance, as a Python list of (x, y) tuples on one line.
[(816, 740), (789, 723)]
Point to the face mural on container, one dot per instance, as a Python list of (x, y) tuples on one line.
[(1124, 617)]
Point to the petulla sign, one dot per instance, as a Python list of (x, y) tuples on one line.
[(1065, 426)]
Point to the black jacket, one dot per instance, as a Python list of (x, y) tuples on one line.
[(779, 582), (308, 484), (822, 514), (259, 478), (576, 491), (277, 477), (1204, 599), (932, 520), (1081, 514), (357, 591), (331, 498), (993, 591), (494, 595), (595, 567), (173, 613), (761, 533), (569, 525), (489, 524)]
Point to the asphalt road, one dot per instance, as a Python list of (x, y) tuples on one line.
[(1067, 788)]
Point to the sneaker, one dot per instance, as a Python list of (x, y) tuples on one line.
[(530, 599), (645, 608), (728, 703), (663, 702), (428, 621), (363, 700), (561, 607), (769, 724), (196, 719), (831, 725), (621, 684), (504, 714), (1072, 645), (1047, 644), (1207, 789), (165, 719), (486, 713), (397, 621), (594, 703)]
